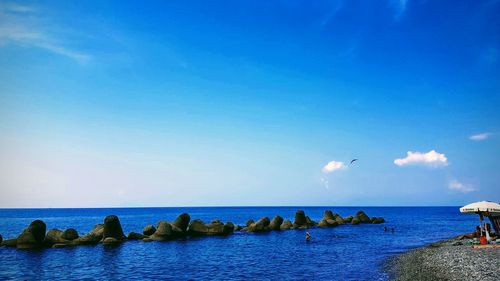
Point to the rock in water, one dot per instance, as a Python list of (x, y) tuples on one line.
[(32, 236), (93, 237), (70, 234), (111, 241), (355, 220), (332, 223), (323, 223), (61, 245), (260, 225), (1, 239), (329, 219), (276, 223), (177, 232), (113, 228), (54, 236), (363, 218), (10, 242), (182, 221), (163, 232), (339, 219), (180, 225), (300, 219), (87, 239), (228, 228), (216, 227), (197, 227), (249, 222), (333, 217), (310, 222), (328, 215), (377, 220), (38, 229), (327, 223), (230, 225), (135, 236), (286, 225), (26, 240), (149, 230), (98, 230), (348, 219)]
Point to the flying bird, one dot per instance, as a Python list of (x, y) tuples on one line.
[(352, 161)]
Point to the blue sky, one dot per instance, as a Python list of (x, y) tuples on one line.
[(208, 103)]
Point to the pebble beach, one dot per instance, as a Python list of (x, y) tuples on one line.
[(446, 260)]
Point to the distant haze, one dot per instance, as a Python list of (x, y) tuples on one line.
[(202, 103)]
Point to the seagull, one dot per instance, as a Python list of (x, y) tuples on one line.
[(352, 161)]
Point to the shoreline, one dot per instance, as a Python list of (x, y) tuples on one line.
[(449, 259)]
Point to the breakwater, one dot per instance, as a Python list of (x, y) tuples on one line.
[(110, 232)]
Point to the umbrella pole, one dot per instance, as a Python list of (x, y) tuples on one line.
[(483, 227)]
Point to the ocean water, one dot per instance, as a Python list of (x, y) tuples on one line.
[(346, 252)]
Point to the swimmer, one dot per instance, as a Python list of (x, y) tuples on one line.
[(308, 236)]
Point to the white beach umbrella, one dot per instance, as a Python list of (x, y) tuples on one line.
[(485, 208), (481, 207)]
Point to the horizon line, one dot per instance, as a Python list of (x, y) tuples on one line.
[(242, 206)]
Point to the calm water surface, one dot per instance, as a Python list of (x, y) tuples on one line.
[(342, 253)]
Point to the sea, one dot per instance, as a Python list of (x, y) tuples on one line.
[(346, 252)]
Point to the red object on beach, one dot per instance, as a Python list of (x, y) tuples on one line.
[(482, 240)]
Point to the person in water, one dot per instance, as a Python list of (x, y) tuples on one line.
[(308, 236)]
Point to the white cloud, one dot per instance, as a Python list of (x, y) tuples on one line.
[(22, 26), (458, 186), (431, 158), (480, 137), (333, 166)]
